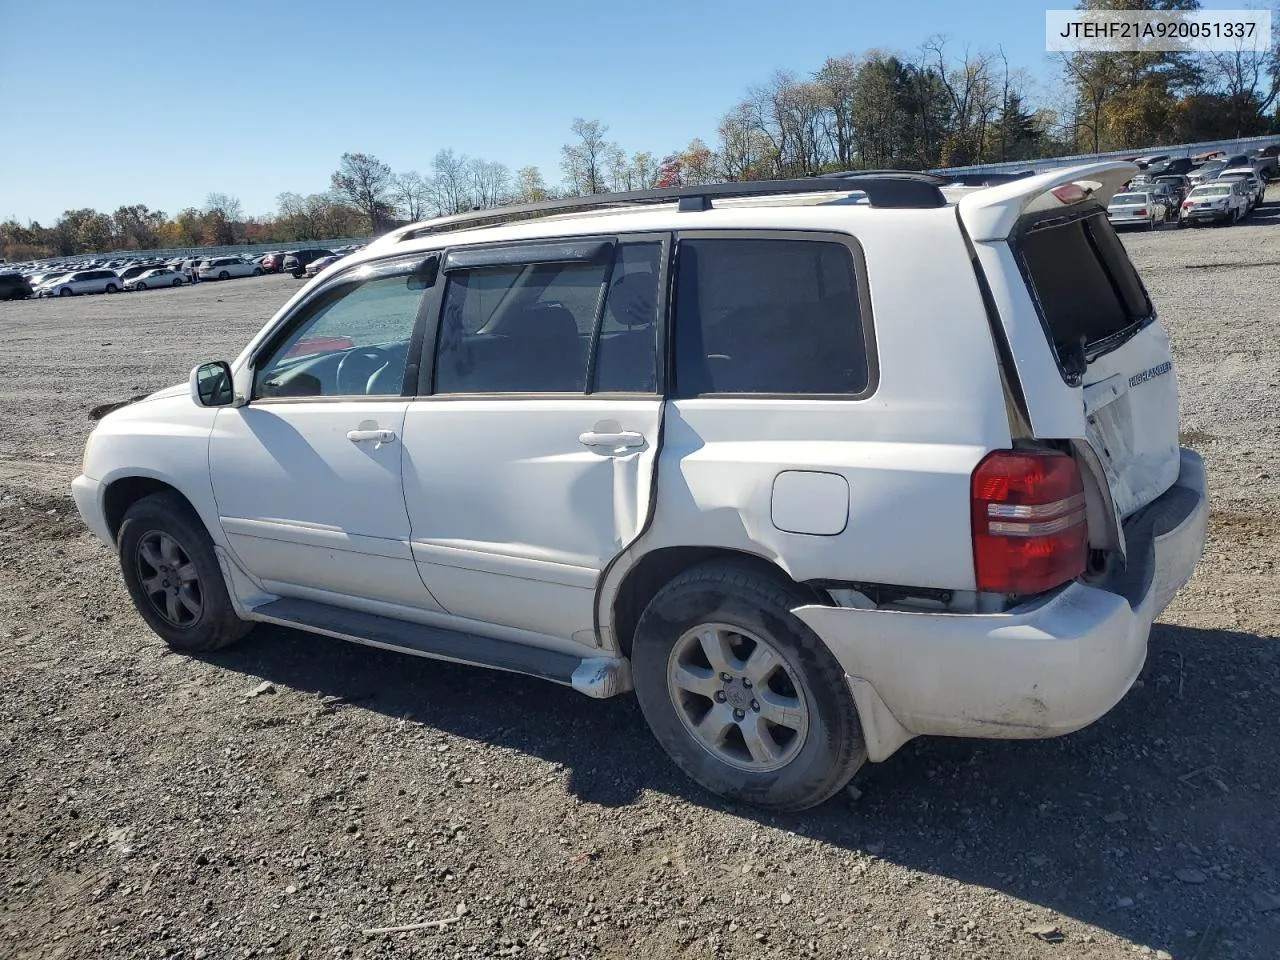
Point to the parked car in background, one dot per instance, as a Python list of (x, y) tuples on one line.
[(1168, 195), (1207, 171), (1257, 188), (1267, 160), (224, 268), (82, 281), (296, 261), (1215, 202), (316, 266), (273, 262), (1136, 210), (156, 277), (1180, 185), (136, 270), (1179, 165), (14, 286)]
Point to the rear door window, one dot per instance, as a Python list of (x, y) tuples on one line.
[(769, 316), (1087, 291)]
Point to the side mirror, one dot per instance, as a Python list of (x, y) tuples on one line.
[(211, 384)]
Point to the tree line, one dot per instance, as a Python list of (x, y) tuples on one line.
[(938, 106)]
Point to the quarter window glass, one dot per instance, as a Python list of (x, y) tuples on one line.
[(768, 316), (518, 329), (353, 342)]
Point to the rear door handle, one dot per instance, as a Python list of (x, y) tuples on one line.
[(371, 436), (615, 440)]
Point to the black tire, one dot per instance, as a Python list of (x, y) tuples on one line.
[(65, 292), (216, 624), (112, 288), (139, 285), (223, 275), (257, 271), (738, 595), (177, 282), (299, 274)]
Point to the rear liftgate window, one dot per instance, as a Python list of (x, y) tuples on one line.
[(1087, 289)]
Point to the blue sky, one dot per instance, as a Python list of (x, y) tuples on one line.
[(106, 103)]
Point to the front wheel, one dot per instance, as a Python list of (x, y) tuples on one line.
[(177, 282), (743, 696), (257, 271), (173, 576), (139, 285), (299, 274), (64, 292), (112, 288)]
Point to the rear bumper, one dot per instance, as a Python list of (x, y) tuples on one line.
[(1042, 670)]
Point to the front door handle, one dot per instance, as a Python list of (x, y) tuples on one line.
[(613, 440), (371, 436)]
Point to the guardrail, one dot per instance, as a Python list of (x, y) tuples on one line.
[(1238, 145)]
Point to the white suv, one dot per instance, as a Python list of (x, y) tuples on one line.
[(816, 466)]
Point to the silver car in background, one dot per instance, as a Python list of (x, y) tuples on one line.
[(1136, 210)]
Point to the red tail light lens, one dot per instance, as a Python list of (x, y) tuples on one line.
[(1029, 532), (1142, 212)]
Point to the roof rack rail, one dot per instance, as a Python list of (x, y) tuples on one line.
[(882, 188)]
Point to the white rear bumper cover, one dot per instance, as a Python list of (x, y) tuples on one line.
[(1042, 670)]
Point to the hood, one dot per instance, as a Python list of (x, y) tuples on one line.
[(102, 409)]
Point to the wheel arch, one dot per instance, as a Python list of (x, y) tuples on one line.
[(122, 493), (651, 571)]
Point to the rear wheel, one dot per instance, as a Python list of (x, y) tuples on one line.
[(223, 275), (741, 694), (299, 274), (257, 271), (173, 575)]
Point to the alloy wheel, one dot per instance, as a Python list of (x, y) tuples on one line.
[(737, 697), (169, 578)]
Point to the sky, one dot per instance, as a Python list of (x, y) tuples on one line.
[(105, 103)]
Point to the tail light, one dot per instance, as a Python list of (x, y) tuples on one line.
[(1029, 531), (1141, 212)]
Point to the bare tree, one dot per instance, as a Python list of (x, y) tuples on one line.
[(365, 182), (226, 204), (412, 194), (449, 181), (583, 161), (530, 187), (490, 183), (1250, 81)]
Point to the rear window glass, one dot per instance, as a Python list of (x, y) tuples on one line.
[(1084, 283), (768, 316), (1120, 198), (1211, 191)]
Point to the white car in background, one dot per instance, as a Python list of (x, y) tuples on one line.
[(224, 268), (81, 281), (156, 277), (1257, 187), (1216, 202), (1136, 210)]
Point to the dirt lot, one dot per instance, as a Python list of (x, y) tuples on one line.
[(153, 805)]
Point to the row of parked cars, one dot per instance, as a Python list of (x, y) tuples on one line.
[(1215, 190), (68, 278)]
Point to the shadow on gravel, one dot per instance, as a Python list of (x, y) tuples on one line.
[(1158, 820)]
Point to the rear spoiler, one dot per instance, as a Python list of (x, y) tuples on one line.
[(991, 214)]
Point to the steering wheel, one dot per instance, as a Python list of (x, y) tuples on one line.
[(358, 366)]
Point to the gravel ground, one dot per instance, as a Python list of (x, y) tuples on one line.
[(283, 796)]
